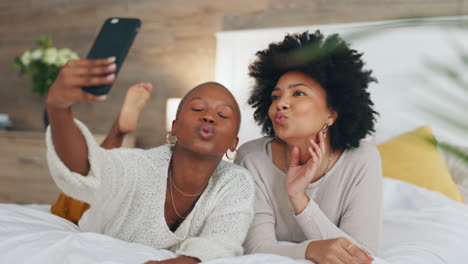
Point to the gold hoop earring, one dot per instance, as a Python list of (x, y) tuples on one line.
[(235, 155), (325, 129), (171, 139)]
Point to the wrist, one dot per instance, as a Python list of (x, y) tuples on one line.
[(51, 106), (53, 111), (299, 202), (310, 252), (189, 260)]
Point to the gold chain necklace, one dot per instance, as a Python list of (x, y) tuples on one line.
[(173, 184), (173, 203)]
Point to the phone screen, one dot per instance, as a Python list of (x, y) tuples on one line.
[(114, 39)]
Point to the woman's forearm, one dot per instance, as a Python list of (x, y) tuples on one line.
[(68, 140), (178, 260), (299, 203)]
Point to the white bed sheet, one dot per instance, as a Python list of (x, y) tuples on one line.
[(420, 227)]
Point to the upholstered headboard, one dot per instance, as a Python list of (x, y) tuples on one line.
[(411, 59)]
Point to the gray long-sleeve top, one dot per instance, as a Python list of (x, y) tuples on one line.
[(346, 202)]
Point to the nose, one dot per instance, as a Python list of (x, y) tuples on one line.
[(282, 104), (208, 119)]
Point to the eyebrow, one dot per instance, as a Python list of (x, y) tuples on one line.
[(199, 98), (294, 85)]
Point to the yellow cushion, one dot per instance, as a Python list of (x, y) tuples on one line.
[(414, 158)]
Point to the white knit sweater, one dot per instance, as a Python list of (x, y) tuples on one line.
[(126, 189)]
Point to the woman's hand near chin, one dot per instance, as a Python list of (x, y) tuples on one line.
[(300, 176), (336, 251)]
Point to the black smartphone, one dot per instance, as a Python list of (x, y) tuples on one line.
[(114, 40)]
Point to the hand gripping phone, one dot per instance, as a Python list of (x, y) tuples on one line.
[(114, 40)]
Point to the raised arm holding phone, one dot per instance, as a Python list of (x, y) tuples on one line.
[(182, 196), (67, 90)]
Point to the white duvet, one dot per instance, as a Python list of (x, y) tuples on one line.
[(420, 227)]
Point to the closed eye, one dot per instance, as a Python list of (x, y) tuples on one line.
[(223, 116), (197, 109)]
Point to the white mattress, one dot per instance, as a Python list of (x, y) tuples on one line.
[(420, 227)]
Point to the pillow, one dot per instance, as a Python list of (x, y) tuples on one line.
[(414, 158), (458, 168), (69, 208)]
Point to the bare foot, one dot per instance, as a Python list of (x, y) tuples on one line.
[(135, 99)]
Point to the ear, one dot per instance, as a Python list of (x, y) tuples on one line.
[(234, 144), (174, 128), (332, 118)]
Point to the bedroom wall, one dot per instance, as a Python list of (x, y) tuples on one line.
[(175, 49)]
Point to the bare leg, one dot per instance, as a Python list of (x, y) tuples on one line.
[(135, 99), (114, 138)]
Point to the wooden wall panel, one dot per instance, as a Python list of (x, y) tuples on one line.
[(24, 173), (175, 49)]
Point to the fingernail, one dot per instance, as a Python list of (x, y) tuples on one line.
[(112, 66), (110, 76), (111, 59), (102, 97)]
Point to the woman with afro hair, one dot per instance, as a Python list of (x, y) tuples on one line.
[(318, 185)]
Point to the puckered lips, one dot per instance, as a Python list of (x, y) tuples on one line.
[(280, 118), (206, 131)]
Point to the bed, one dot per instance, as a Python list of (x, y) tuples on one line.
[(421, 226)]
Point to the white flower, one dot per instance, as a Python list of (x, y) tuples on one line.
[(65, 55), (74, 56), (26, 58), (50, 56), (37, 54), (64, 52)]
